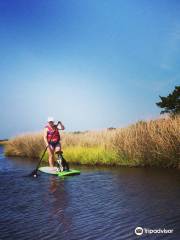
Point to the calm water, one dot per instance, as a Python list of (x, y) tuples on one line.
[(102, 204)]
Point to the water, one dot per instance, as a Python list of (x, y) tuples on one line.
[(98, 204)]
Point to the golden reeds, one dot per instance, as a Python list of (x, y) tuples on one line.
[(150, 143), (25, 145)]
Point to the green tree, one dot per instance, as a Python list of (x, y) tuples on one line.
[(171, 103)]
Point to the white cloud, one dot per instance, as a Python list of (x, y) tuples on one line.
[(171, 48), (165, 66)]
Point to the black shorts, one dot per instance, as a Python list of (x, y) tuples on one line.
[(54, 145)]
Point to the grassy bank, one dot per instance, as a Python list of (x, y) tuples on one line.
[(3, 142), (151, 143)]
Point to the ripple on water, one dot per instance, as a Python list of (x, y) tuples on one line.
[(98, 204)]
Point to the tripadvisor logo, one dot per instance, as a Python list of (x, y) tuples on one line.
[(139, 231)]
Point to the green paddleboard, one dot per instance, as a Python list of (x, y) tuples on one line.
[(49, 170)]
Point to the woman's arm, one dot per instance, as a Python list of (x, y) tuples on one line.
[(45, 137)]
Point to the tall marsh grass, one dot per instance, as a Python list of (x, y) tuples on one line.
[(151, 143), (25, 145)]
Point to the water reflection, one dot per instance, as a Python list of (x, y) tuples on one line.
[(60, 203)]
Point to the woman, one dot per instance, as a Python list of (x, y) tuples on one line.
[(52, 139)]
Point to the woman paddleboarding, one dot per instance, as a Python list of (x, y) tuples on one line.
[(53, 143)]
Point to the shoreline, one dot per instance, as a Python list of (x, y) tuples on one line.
[(3, 142), (153, 143)]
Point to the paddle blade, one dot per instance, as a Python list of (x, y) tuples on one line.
[(34, 174)]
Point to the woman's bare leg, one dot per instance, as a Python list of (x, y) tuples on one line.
[(51, 157)]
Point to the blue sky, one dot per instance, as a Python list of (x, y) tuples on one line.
[(90, 63)]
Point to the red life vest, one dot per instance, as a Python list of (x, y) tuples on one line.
[(52, 134)]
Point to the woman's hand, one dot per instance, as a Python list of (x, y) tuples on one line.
[(62, 126)]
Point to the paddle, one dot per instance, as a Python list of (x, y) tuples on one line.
[(34, 173)]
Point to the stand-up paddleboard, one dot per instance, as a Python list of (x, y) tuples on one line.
[(50, 170)]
